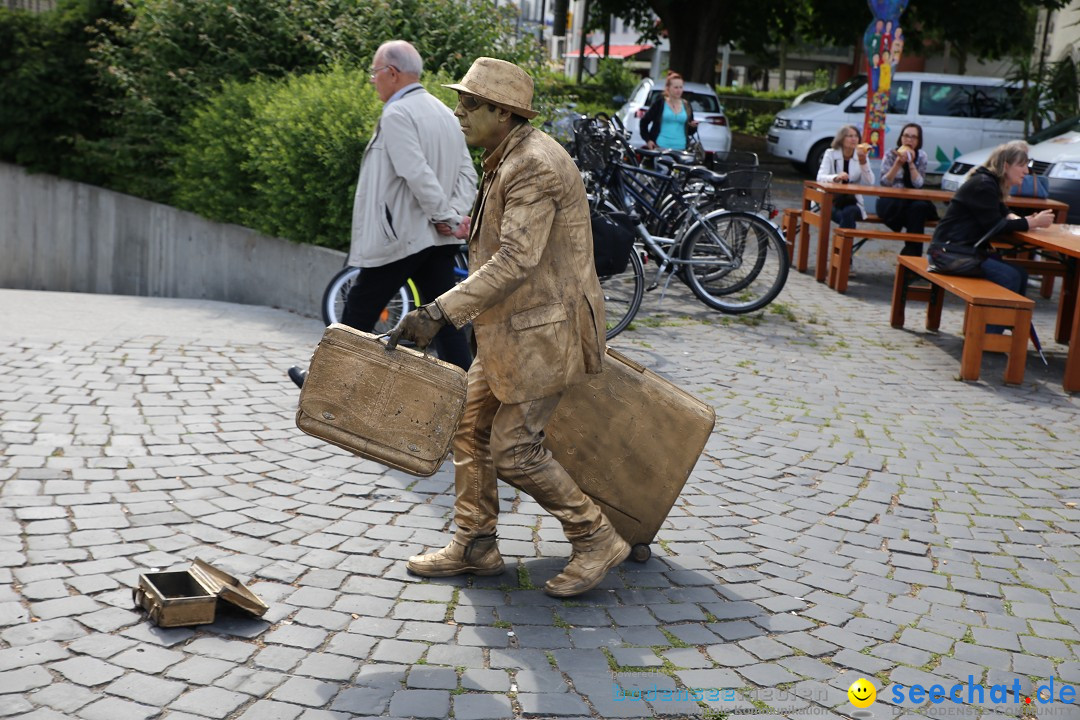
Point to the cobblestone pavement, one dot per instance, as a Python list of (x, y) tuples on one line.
[(858, 512)]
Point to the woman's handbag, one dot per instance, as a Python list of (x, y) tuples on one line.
[(955, 259)]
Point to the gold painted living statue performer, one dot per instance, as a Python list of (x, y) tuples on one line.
[(538, 314)]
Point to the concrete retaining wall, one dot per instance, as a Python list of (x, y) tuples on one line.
[(61, 235)]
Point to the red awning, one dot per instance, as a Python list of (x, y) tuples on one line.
[(615, 51)]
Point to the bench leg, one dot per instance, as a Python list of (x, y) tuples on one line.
[(933, 307), (974, 336), (821, 262), (899, 296), (791, 227), (840, 262), (1021, 335), (1046, 287), (804, 245)]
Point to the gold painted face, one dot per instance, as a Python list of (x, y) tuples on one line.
[(862, 693)]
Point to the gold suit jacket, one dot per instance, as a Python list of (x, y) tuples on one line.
[(532, 293)]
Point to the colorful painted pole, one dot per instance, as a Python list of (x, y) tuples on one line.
[(884, 43)]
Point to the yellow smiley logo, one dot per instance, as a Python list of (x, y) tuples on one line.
[(862, 693)]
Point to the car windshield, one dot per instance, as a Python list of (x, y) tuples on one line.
[(701, 103), (840, 93)]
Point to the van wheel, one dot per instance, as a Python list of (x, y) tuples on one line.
[(813, 160)]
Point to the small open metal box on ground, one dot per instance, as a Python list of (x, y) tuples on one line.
[(189, 597)]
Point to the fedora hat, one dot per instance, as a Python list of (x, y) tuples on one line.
[(500, 83)]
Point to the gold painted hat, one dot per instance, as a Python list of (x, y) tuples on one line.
[(500, 83)]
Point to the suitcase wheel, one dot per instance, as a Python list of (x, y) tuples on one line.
[(640, 553)]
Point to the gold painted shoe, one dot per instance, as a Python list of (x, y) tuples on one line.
[(594, 555), (480, 557)]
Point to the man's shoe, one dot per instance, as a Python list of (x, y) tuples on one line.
[(298, 376), (480, 557), (594, 555)]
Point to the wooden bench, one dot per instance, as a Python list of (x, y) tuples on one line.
[(843, 248), (799, 247), (987, 303)]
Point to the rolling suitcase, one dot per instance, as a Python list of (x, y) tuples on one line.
[(630, 439), (398, 407)]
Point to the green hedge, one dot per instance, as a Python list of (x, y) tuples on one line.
[(283, 156)]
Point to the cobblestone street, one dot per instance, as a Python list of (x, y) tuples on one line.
[(858, 512)]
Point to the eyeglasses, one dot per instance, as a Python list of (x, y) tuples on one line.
[(910, 136), (375, 70), (469, 102)]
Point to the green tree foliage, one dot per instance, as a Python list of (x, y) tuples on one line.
[(176, 54), (47, 97), (282, 156), (696, 27)]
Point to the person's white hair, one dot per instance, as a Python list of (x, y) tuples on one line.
[(402, 55)]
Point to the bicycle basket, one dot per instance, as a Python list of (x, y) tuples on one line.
[(591, 143), (722, 161), (747, 189)]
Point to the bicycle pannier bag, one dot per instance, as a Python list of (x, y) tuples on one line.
[(398, 407), (613, 241), (630, 439)]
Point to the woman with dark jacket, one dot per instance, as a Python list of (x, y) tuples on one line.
[(979, 205), (670, 120)]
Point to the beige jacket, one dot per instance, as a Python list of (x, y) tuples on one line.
[(532, 292), (416, 172)]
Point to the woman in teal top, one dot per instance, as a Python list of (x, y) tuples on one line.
[(670, 119)]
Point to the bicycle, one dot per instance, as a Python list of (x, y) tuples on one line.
[(733, 260), (405, 300)]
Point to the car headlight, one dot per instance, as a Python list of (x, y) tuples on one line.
[(788, 124), (1065, 170)]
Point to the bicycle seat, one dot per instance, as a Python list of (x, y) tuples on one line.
[(646, 152), (713, 178)]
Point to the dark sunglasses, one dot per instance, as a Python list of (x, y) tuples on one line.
[(469, 102)]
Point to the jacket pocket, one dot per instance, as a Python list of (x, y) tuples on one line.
[(537, 316)]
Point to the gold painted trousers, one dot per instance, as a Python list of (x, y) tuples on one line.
[(498, 440)]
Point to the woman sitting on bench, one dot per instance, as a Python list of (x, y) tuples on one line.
[(845, 162), (905, 166), (979, 205)]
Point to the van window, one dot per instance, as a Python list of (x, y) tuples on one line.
[(899, 99), (955, 99), (700, 103), (842, 92)]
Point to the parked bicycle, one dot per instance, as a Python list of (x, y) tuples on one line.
[(693, 223)]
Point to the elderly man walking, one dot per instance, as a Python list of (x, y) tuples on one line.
[(538, 315), (416, 185)]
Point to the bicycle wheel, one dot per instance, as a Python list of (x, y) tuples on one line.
[(736, 261), (333, 302), (622, 295)]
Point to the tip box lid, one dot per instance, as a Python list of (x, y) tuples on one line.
[(228, 588)]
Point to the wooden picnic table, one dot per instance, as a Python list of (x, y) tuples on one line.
[(822, 193), (1063, 241)]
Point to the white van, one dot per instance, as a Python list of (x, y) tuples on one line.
[(958, 114)]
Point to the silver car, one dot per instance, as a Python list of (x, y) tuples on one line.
[(712, 127), (1054, 153)]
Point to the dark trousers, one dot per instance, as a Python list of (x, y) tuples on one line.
[(1006, 275), (846, 217), (902, 215), (432, 270)]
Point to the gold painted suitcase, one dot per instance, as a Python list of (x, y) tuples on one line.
[(630, 440), (398, 407)]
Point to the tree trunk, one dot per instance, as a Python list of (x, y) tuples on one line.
[(782, 52), (693, 28)]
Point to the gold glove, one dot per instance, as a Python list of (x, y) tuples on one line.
[(420, 326)]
